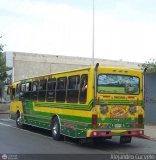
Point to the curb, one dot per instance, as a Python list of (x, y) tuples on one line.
[(146, 137), (4, 112)]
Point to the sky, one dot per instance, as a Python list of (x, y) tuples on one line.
[(123, 29)]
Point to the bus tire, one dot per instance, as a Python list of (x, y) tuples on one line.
[(125, 139), (98, 140), (55, 129), (19, 124)]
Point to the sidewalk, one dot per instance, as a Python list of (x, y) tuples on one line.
[(150, 132), (4, 108)]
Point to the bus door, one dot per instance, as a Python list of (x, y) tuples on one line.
[(15, 104), (26, 97)]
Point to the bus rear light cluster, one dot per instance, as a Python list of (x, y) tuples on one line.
[(101, 134), (141, 132), (134, 133), (140, 119), (94, 121)]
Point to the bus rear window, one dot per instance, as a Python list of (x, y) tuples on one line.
[(118, 84)]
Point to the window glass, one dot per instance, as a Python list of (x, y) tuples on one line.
[(51, 90), (42, 85), (27, 93), (28, 87), (17, 91), (35, 86), (61, 83), (22, 91), (42, 90), (23, 87), (119, 84), (18, 88), (34, 93), (83, 88), (61, 89), (73, 89)]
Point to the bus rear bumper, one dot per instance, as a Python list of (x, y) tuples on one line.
[(110, 133)]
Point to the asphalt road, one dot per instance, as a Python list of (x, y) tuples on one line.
[(38, 141)]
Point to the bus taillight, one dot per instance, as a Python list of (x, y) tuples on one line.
[(140, 119), (94, 121)]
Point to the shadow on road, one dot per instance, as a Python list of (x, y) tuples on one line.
[(107, 145), (38, 130), (112, 144)]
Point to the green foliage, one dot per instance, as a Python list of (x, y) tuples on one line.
[(150, 66), (3, 68)]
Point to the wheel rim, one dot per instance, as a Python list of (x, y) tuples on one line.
[(19, 120), (55, 129)]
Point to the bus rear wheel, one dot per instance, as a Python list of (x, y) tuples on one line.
[(19, 124), (125, 139), (55, 129)]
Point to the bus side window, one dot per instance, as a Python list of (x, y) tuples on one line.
[(61, 89), (42, 90), (28, 90), (73, 89), (23, 87), (83, 88), (50, 97), (22, 90), (34, 92)]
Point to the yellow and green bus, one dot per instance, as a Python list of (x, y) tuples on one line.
[(86, 103)]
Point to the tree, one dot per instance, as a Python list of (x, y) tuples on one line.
[(3, 68), (150, 66)]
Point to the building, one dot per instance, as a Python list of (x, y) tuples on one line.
[(26, 65)]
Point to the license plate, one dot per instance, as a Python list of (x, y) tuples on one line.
[(117, 125)]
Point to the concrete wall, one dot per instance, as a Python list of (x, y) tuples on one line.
[(28, 65), (150, 98)]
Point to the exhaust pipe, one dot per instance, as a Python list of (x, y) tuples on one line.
[(95, 82)]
